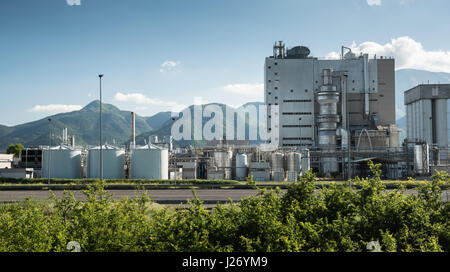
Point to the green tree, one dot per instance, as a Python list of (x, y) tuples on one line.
[(15, 149)]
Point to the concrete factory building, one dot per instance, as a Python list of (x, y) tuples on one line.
[(428, 118), (330, 104)]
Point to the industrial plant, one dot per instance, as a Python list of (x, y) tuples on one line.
[(333, 116)]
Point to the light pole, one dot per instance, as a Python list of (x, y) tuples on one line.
[(49, 146), (300, 133), (101, 139)]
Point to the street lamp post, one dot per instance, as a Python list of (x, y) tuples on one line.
[(101, 139), (300, 133), (49, 146)]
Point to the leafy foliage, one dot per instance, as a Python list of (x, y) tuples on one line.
[(304, 218), (15, 149)]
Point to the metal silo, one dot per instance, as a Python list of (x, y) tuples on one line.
[(306, 163), (277, 161), (149, 162), (294, 161), (222, 159), (113, 162), (294, 165), (65, 162), (241, 166)]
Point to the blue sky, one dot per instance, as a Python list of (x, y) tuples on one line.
[(163, 55)]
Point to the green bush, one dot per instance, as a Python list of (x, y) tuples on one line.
[(333, 218)]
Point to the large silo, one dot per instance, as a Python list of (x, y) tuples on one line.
[(149, 162), (277, 161), (306, 162), (113, 162), (222, 160), (241, 166), (294, 162), (65, 162)]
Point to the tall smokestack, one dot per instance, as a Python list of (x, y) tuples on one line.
[(133, 131)]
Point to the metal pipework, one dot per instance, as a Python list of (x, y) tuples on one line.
[(366, 85), (328, 118), (327, 98)]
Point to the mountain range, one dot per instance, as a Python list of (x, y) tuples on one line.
[(84, 124)]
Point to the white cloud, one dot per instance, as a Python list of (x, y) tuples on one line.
[(73, 2), (169, 66), (255, 90), (198, 100), (408, 54), (333, 56), (140, 108), (55, 108), (373, 2), (139, 98)]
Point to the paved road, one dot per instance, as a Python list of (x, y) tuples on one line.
[(209, 196)]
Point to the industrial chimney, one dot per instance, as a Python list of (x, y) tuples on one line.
[(133, 131)]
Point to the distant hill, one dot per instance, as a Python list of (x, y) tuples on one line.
[(406, 79), (165, 129), (83, 124), (158, 120)]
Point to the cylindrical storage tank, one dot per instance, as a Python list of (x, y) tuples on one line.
[(277, 176), (113, 162), (222, 159), (277, 161), (306, 164), (241, 166), (418, 159), (294, 162), (65, 162), (149, 162)]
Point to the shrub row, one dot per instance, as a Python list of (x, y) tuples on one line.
[(336, 218)]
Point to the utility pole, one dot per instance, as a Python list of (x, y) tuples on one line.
[(101, 138), (49, 146)]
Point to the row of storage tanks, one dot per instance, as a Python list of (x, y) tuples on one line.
[(293, 162), (146, 162)]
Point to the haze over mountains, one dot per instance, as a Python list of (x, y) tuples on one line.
[(84, 124)]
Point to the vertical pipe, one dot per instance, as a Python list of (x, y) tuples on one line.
[(133, 130), (366, 85), (49, 145)]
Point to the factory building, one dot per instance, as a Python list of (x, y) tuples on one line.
[(428, 124), (331, 105), (6, 161)]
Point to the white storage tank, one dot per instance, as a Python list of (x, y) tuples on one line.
[(113, 162), (277, 176), (222, 159), (277, 161), (149, 162), (294, 161), (65, 162), (241, 166), (306, 164), (292, 176)]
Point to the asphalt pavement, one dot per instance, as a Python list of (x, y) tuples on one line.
[(172, 197)]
